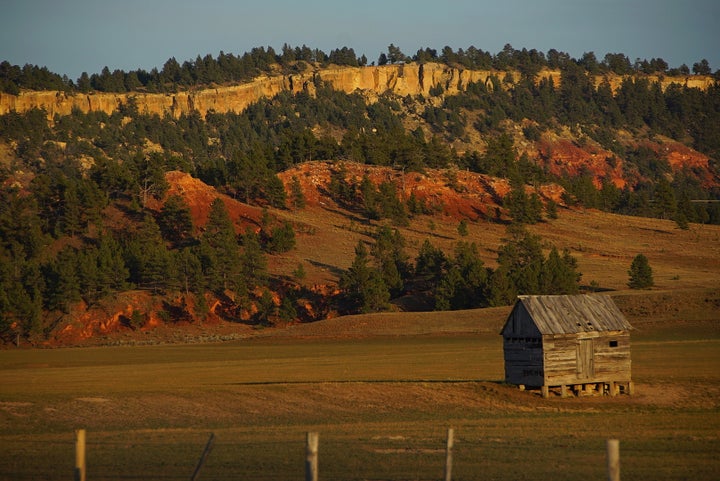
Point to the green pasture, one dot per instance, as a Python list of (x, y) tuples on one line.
[(382, 407)]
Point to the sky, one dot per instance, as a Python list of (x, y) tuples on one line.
[(74, 36)]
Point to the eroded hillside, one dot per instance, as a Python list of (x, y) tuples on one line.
[(327, 234)]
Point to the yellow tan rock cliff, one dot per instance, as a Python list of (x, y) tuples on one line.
[(401, 79)]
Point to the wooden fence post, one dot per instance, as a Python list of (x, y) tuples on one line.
[(449, 454), (80, 467), (613, 459), (311, 457)]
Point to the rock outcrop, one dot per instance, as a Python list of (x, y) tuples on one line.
[(401, 79)]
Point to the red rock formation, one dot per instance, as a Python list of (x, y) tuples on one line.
[(455, 193), (198, 196)]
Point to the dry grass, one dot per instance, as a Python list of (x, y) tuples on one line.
[(603, 243), (382, 389), (381, 403)]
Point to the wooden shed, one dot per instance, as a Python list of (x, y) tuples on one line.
[(579, 343)]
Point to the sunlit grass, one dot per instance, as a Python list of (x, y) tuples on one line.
[(381, 405)]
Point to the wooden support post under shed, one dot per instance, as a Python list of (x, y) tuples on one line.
[(545, 391)]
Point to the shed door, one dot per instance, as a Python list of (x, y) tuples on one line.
[(585, 361)]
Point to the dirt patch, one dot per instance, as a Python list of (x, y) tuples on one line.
[(93, 399)]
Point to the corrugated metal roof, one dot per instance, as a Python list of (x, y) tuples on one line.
[(573, 314)]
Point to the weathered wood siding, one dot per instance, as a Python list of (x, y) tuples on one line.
[(589, 357), (523, 349), (524, 361)]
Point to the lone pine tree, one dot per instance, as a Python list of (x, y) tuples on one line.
[(640, 273)]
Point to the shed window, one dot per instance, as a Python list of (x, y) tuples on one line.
[(613, 343)]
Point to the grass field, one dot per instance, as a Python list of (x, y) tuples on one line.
[(381, 403)]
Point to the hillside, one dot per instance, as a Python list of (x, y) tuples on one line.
[(403, 187), (685, 263)]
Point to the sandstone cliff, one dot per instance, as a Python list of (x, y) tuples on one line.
[(407, 79)]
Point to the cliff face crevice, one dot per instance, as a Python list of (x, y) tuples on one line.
[(407, 79)]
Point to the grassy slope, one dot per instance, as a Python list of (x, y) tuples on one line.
[(380, 400), (382, 389), (604, 244)]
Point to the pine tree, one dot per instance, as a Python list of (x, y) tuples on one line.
[(253, 261), (472, 291), (501, 291), (641, 276), (462, 228), (111, 271), (465, 283), (447, 291), (364, 285), (282, 238), (148, 260), (430, 263), (22, 285), (299, 272), (390, 205), (71, 216), (296, 194), (558, 274), (664, 205), (287, 310), (188, 267), (681, 221), (521, 258), (523, 209), (273, 190), (390, 258), (551, 209), (371, 198), (220, 253), (62, 280), (175, 221), (357, 276), (265, 308)]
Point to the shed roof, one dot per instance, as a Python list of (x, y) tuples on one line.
[(574, 314)]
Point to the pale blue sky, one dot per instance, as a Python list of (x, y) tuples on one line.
[(72, 36)]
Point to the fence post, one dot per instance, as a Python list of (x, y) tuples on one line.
[(311, 457), (80, 467), (204, 456), (449, 454), (613, 459)]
